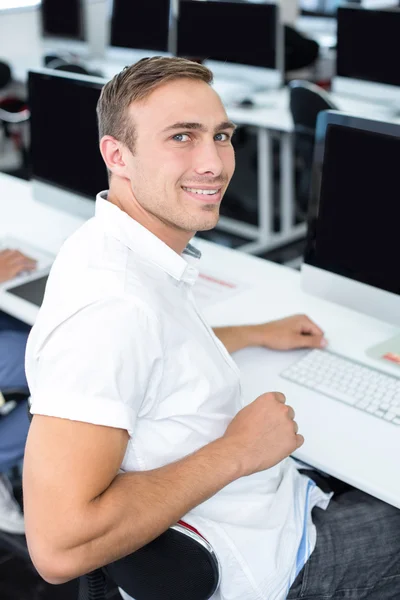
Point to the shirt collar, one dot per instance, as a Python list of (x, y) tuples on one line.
[(140, 240)]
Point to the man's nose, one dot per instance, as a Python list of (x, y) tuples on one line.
[(208, 160)]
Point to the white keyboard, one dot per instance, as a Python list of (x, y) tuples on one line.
[(348, 381)]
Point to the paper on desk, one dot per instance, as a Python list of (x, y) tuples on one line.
[(210, 289)]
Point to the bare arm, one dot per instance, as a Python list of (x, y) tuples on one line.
[(81, 514), (237, 337), (297, 331)]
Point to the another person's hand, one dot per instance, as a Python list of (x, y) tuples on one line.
[(263, 433), (293, 332), (13, 262)]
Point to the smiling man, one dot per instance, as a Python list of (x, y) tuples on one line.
[(138, 416), (169, 174)]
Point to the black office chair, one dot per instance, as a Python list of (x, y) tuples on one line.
[(5, 74), (60, 63), (307, 100), (10, 397), (14, 118), (300, 51), (178, 565), (67, 63)]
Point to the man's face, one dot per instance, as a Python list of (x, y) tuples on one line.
[(183, 158)]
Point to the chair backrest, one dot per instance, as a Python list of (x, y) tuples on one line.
[(63, 64), (307, 100), (14, 110), (178, 565), (5, 74)]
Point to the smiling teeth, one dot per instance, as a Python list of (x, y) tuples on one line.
[(205, 192)]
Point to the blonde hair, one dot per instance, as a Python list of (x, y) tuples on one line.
[(135, 83)]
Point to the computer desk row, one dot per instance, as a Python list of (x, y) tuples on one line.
[(338, 439), (270, 116), (272, 122)]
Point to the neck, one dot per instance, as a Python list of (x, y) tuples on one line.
[(121, 194)]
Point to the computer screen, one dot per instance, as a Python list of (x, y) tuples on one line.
[(368, 45), (142, 24), (243, 33), (354, 220), (64, 134), (62, 18)]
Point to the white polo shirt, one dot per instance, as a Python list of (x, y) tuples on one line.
[(120, 342)]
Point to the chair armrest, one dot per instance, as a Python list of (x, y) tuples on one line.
[(14, 117), (178, 565)]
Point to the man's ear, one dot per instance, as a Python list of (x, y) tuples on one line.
[(112, 152)]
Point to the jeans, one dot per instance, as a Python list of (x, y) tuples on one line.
[(14, 426), (13, 336), (357, 554)]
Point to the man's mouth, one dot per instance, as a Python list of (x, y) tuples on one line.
[(202, 191)]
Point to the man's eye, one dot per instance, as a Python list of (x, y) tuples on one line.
[(222, 137), (181, 137)]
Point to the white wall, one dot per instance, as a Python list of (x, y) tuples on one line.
[(20, 34)]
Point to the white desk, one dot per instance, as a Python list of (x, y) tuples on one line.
[(366, 455)]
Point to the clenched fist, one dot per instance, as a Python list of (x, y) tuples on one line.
[(263, 433)]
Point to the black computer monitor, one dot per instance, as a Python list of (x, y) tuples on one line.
[(62, 18), (354, 214), (368, 45), (234, 32), (141, 24), (66, 161)]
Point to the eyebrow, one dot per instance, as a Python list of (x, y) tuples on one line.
[(199, 126)]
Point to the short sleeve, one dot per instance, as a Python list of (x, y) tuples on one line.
[(100, 365)]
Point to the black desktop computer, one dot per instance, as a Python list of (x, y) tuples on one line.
[(67, 168), (241, 42), (243, 33), (62, 18), (368, 50), (141, 24), (352, 252)]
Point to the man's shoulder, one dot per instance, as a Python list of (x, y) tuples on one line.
[(92, 263), (93, 273), (96, 314)]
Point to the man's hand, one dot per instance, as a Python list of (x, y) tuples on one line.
[(263, 433), (13, 262), (293, 332)]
